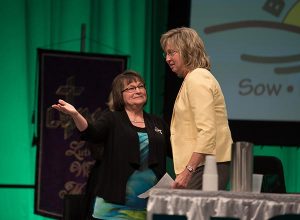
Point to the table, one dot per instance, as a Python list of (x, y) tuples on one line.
[(200, 205)]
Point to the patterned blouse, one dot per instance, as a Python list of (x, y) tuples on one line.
[(140, 181)]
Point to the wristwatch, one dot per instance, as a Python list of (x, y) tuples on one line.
[(190, 168)]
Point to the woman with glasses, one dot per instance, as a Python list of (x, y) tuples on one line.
[(199, 125), (135, 148)]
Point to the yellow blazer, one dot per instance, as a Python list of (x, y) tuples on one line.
[(199, 120)]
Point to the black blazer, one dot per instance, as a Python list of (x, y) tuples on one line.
[(121, 156)]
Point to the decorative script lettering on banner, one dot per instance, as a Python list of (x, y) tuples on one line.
[(64, 160)]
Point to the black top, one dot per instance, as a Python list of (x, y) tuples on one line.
[(122, 151)]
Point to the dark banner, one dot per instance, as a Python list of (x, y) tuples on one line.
[(63, 160)]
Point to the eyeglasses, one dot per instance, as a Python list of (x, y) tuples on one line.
[(170, 53), (133, 89)]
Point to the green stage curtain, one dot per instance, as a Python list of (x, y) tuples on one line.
[(289, 157), (121, 27)]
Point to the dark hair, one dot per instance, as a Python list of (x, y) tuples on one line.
[(118, 85)]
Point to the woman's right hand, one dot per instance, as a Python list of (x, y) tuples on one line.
[(80, 122), (65, 107)]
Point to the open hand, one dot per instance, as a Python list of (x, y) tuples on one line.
[(65, 107)]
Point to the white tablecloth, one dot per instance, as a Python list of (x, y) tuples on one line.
[(200, 205)]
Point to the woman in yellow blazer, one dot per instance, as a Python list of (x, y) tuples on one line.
[(199, 124)]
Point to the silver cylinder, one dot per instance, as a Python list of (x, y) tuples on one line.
[(241, 167)]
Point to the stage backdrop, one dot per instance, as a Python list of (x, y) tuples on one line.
[(63, 162)]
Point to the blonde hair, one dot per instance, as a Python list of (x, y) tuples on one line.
[(189, 45)]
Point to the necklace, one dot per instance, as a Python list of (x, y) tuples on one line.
[(134, 121), (134, 118)]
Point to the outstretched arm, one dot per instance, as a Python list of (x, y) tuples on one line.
[(79, 120)]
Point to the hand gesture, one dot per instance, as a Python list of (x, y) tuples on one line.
[(65, 107)]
